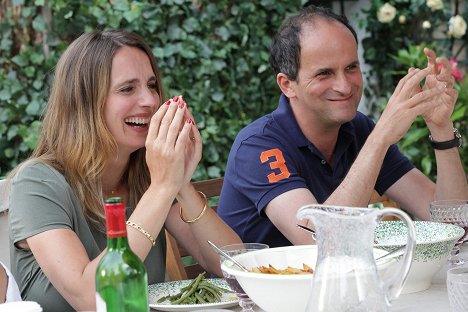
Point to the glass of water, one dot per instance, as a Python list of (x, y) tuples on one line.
[(245, 302), (457, 287)]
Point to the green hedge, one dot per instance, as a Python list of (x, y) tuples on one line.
[(215, 53)]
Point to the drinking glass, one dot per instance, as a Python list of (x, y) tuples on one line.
[(245, 302), (457, 287), (454, 211)]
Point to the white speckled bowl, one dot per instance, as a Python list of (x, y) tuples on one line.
[(434, 241)]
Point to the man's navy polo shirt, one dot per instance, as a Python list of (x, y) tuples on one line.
[(272, 156)]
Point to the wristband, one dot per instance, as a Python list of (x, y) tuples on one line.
[(455, 142)]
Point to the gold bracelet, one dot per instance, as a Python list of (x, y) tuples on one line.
[(142, 231), (201, 213)]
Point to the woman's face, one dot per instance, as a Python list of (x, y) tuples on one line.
[(132, 98)]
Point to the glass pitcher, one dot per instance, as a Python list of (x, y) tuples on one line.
[(346, 277)]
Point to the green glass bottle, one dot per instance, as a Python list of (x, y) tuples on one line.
[(121, 280)]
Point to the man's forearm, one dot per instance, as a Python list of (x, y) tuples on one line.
[(358, 185), (451, 177)]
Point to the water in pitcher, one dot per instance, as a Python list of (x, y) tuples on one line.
[(346, 277)]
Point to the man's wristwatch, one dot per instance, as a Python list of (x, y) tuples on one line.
[(455, 142)]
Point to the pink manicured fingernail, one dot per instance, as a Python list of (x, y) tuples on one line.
[(176, 99), (181, 105), (168, 102), (188, 120)]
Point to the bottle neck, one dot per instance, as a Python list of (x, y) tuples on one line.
[(116, 227)]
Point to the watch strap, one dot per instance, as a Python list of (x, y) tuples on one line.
[(455, 142)]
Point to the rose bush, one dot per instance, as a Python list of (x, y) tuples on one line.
[(392, 45)]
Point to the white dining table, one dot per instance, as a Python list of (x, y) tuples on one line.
[(434, 299)]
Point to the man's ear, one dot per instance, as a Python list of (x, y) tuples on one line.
[(286, 85)]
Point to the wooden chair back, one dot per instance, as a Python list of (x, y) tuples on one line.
[(384, 201), (176, 255)]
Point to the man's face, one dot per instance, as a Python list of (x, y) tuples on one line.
[(329, 81)]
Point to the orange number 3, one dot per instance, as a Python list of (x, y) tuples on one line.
[(278, 163)]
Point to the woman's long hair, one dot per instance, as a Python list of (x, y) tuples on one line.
[(75, 139)]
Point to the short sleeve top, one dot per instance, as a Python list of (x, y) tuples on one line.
[(41, 199), (272, 156)]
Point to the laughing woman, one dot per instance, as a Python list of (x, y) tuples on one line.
[(106, 133)]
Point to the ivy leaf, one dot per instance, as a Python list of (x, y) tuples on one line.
[(5, 95), (217, 96), (223, 32), (214, 172), (12, 132), (175, 32), (190, 24), (5, 44), (9, 152), (37, 58), (33, 108), (262, 68), (39, 23), (20, 60), (31, 136)]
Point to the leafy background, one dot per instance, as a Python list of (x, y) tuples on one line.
[(215, 53)]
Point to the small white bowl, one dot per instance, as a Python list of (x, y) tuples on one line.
[(434, 242), (280, 293)]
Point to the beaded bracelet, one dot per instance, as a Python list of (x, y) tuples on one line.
[(142, 231), (201, 213)]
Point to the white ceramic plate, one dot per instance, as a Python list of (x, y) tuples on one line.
[(157, 291)]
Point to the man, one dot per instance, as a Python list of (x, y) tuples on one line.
[(316, 147)]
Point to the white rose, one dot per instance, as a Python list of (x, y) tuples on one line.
[(426, 25), (435, 4), (457, 26), (386, 13)]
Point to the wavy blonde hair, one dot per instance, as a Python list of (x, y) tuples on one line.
[(75, 139)]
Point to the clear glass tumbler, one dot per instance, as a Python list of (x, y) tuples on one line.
[(454, 211), (245, 302), (457, 287)]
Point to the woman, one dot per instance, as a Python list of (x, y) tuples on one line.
[(105, 133)]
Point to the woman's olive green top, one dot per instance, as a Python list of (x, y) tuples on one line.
[(41, 200)]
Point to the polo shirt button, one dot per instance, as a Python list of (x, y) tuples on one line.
[(323, 161)]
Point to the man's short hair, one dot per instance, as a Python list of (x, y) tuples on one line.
[(285, 50)]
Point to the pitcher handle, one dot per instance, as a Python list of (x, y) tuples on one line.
[(395, 283)]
